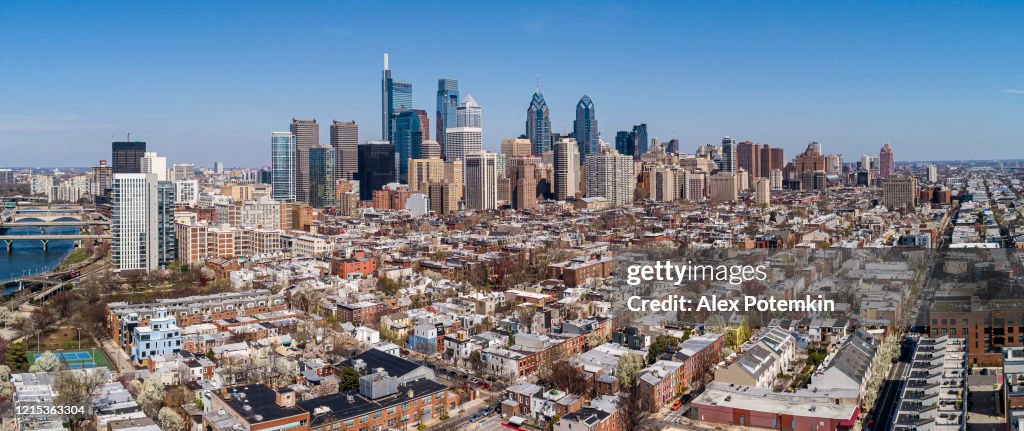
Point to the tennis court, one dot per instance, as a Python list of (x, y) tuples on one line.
[(78, 359)]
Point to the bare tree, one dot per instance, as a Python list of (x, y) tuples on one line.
[(634, 409)]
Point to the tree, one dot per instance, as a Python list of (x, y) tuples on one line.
[(569, 378), (7, 316), (328, 386), (46, 363), (388, 286), (627, 368), (74, 387), (635, 409), (349, 378), (170, 420), (284, 373), (660, 345), (151, 396), (15, 357), (6, 387), (476, 362)]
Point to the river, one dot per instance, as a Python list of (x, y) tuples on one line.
[(28, 257)]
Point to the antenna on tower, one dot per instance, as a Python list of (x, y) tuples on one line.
[(385, 61), (538, 82)]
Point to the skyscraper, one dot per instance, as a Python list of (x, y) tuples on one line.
[(282, 166), (376, 167), (166, 197), (567, 169), (321, 176), (307, 135), (585, 127), (728, 160), (447, 103), (151, 163), (134, 217), (762, 191), (462, 141), (522, 177), (481, 169), (345, 140), (748, 157), (411, 129), (515, 147), (640, 140), (538, 124), (126, 157), (468, 114), (623, 143), (395, 97), (886, 165), (610, 175)]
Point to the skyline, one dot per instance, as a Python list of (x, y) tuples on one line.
[(851, 78)]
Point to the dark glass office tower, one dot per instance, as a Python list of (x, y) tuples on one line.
[(447, 103), (538, 124), (396, 96), (623, 143), (585, 128), (167, 251), (376, 167), (640, 140), (322, 180), (411, 129), (126, 157)]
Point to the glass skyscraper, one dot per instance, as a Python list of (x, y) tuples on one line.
[(167, 250), (411, 129), (396, 96), (538, 124), (623, 143), (321, 176), (282, 169), (640, 140), (585, 127), (126, 157), (376, 167), (447, 103)]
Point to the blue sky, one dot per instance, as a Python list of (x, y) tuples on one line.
[(206, 81)]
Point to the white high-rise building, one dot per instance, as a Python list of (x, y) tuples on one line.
[(775, 179), (481, 171), (134, 222), (610, 175), (468, 114), (567, 169), (186, 192), (184, 171), (154, 164), (762, 192), (460, 141), (664, 187), (933, 174)]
